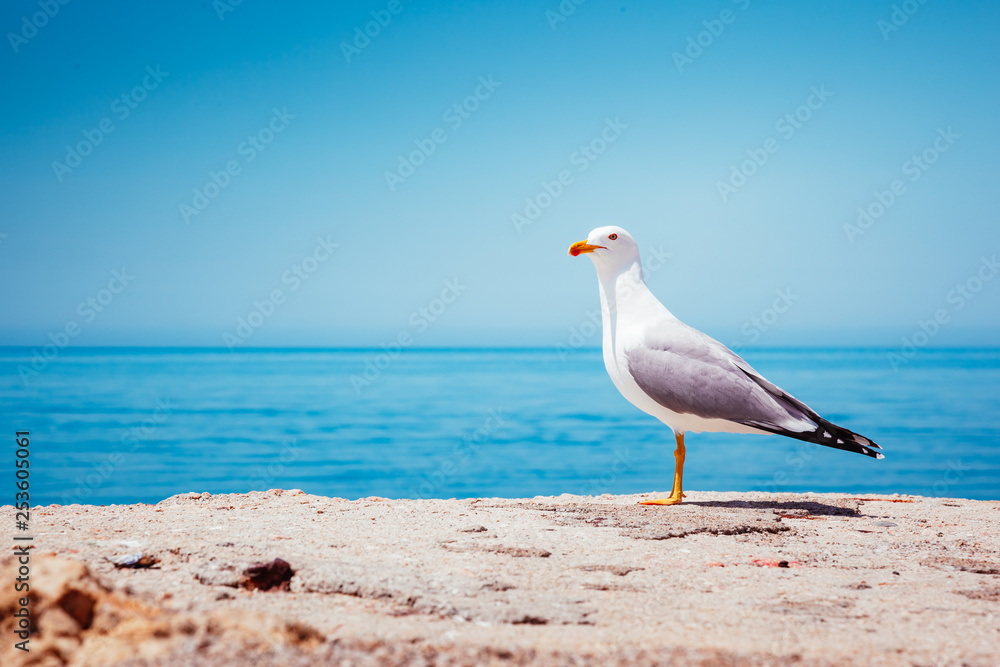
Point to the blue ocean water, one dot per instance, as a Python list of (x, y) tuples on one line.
[(130, 425)]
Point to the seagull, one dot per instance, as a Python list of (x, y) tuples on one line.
[(684, 378)]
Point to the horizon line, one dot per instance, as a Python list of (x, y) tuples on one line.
[(459, 348)]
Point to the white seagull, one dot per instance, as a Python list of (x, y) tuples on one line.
[(686, 379)]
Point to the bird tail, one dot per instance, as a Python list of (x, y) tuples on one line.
[(826, 433), (829, 435)]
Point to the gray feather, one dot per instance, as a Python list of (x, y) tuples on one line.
[(690, 373)]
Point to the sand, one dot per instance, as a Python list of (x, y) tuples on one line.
[(724, 579)]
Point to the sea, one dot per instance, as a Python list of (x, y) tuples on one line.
[(127, 425)]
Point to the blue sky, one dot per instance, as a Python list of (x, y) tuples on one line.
[(768, 259)]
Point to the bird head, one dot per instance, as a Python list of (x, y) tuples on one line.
[(611, 248)]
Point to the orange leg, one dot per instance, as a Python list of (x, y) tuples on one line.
[(677, 493)]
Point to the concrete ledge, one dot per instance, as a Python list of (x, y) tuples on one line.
[(725, 578)]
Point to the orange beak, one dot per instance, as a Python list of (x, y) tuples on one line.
[(581, 247)]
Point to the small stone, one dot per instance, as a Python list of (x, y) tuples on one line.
[(265, 576), (473, 529), (134, 561)]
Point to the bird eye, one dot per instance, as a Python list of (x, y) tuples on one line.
[(612, 236)]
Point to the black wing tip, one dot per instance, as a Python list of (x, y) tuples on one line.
[(838, 437), (829, 435), (865, 446), (868, 451), (825, 433)]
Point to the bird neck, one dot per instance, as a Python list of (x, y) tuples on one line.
[(621, 291), (620, 288)]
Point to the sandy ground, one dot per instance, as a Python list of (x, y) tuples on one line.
[(724, 579)]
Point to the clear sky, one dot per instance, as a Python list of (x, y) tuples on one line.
[(202, 149)]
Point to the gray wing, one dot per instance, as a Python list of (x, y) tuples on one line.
[(688, 372)]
